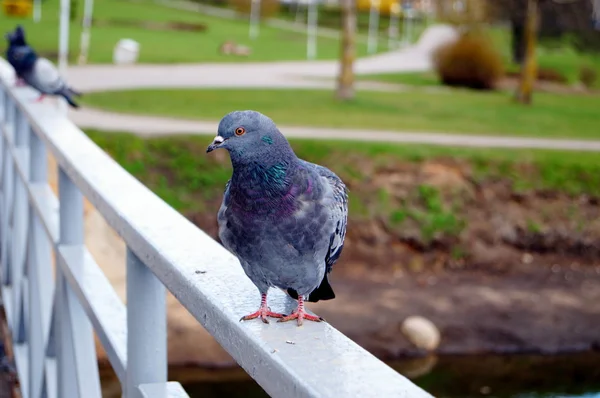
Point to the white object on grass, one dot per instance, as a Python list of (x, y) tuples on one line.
[(126, 52)]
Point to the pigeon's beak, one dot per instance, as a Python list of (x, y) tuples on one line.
[(217, 142)]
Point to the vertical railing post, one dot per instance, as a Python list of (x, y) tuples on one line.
[(77, 370), (7, 190), (39, 274), (20, 226), (3, 103), (146, 327), (3, 100), (71, 232)]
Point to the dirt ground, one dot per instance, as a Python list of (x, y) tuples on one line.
[(526, 278), (528, 308)]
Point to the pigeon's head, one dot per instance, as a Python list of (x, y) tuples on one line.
[(249, 136), (17, 37)]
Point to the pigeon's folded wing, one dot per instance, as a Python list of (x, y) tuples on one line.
[(46, 76), (339, 214)]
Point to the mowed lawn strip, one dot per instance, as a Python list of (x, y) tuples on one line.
[(451, 111)]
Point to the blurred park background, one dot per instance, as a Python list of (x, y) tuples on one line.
[(468, 133)]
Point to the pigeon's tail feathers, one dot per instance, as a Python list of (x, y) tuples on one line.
[(323, 292), (74, 92), (66, 95)]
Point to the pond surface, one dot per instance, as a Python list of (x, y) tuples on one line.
[(511, 376)]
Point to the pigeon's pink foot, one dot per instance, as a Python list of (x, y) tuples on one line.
[(40, 98), (300, 314), (263, 312)]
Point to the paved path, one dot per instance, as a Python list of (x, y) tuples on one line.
[(290, 74), (293, 74), (107, 77), (160, 126)]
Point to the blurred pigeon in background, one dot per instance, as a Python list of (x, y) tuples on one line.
[(20, 55), (282, 217), (36, 71)]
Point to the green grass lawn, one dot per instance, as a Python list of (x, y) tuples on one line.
[(458, 111), (179, 171), (166, 46)]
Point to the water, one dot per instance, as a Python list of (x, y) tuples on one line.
[(514, 376)]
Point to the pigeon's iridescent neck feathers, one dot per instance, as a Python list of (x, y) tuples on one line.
[(273, 189)]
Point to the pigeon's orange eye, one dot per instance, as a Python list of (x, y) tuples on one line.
[(240, 131)]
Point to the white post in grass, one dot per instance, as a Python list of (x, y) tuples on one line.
[(393, 31), (407, 22), (311, 27), (254, 18), (410, 14), (299, 11), (63, 46), (37, 10), (84, 44), (373, 27)]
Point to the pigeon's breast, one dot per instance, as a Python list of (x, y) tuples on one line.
[(293, 233)]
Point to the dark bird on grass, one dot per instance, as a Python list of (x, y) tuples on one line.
[(283, 218), (37, 72)]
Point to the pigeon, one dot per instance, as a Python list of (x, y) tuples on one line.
[(282, 217), (20, 55), (38, 72)]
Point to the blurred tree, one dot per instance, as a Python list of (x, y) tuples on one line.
[(529, 65), (345, 87), (557, 18)]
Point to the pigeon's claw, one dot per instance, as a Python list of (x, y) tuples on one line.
[(263, 312), (300, 314)]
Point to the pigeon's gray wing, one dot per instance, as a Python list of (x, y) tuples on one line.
[(339, 214), (45, 77), (221, 220)]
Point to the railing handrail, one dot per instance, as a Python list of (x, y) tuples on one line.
[(315, 360)]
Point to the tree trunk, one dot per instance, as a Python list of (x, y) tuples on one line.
[(345, 88), (529, 66), (518, 40)]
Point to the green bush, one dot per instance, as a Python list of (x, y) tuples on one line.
[(471, 61)]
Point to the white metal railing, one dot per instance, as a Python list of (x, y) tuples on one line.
[(52, 315)]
